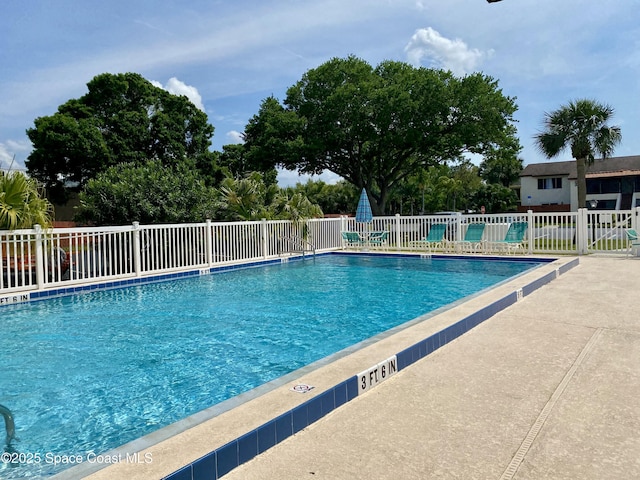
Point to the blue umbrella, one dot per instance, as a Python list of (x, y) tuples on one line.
[(363, 213)]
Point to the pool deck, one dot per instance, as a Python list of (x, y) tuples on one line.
[(546, 389)]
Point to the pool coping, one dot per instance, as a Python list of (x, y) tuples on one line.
[(211, 443)]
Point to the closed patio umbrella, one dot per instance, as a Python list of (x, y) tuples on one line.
[(363, 212)]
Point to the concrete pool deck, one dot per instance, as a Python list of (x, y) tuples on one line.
[(547, 388)]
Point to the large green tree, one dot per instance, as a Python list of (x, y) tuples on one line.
[(582, 125), (376, 126), (122, 119)]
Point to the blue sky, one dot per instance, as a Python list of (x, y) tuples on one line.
[(227, 56)]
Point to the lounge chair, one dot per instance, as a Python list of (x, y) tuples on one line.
[(352, 239), (378, 239), (434, 239), (513, 239), (472, 241), (634, 241)]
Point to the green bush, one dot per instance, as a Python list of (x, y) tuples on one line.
[(149, 194)]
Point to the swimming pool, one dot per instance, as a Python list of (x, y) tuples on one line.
[(90, 372)]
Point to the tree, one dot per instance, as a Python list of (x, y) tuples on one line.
[(425, 191), (340, 198), (122, 119), (581, 125), (151, 193), (238, 164), (297, 208), (495, 198), (502, 166), (465, 183), (246, 198), (376, 126), (253, 198), (210, 169), (22, 203)]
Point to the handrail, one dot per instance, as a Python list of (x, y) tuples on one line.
[(9, 424), (300, 242)]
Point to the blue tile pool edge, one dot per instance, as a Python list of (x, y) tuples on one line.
[(222, 460), (36, 295)]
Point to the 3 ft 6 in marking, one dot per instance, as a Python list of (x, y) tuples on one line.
[(376, 374)]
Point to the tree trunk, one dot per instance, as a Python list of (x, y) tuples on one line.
[(380, 205), (581, 169)]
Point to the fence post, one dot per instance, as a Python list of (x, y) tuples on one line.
[(582, 231), (39, 257), (265, 246), (459, 235), (208, 241), (398, 233), (343, 228), (344, 223), (137, 263), (635, 220), (530, 232)]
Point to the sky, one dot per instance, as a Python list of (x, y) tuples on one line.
[(228, 56)]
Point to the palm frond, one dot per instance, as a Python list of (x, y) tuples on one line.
[(22, 202)]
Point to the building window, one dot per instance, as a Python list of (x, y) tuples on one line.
[(548, 183), (611, 185)]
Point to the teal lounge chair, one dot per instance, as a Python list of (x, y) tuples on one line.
[(472, 239), (514, 238), (352, 239), (378, 239), (435, 238), (634, 241)]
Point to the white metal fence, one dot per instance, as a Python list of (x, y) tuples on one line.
[(572, 233), (35, 259)]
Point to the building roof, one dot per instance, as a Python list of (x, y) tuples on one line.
[(548, 169), (610, 167)]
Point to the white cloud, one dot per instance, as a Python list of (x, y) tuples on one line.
[(234, 136), (5, 157), (289, 178), (178, 87), (12, 154), (443, 52)]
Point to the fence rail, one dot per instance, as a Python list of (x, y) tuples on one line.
[(36, 259)]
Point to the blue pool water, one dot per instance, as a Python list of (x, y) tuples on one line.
[(90, 372)]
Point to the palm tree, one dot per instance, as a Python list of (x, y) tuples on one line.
[(582, 126), (297, 208), (22, 204)]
